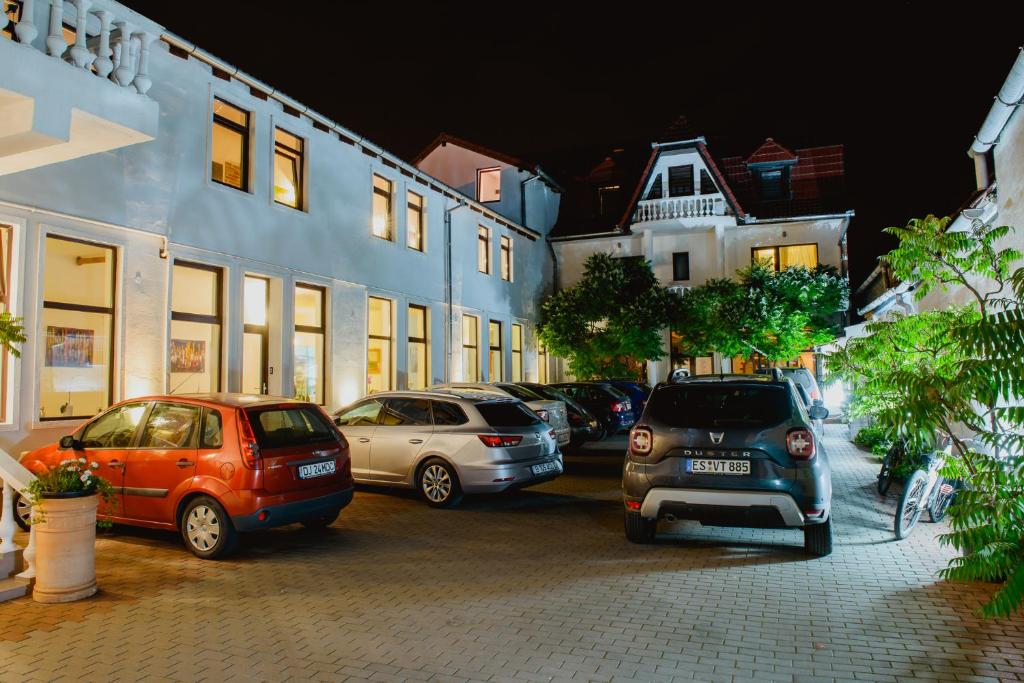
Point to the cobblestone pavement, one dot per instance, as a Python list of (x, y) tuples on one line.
[(539, 585)]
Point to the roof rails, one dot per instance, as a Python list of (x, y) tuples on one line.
[(778, 375)]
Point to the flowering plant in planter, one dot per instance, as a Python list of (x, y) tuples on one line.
[(72, 478)]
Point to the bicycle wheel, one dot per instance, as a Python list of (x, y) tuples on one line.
[(885, 474), (910, 507), (945, 492)]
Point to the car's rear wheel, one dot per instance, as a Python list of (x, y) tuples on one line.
[(321, 522), (439, 484), (640, 529), (207, 529), (818, 539), (22, 511)]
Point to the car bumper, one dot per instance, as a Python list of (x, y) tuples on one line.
[(289, 513), (728, 508), (513, 475)]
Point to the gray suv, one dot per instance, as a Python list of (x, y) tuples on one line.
[(729, 450)]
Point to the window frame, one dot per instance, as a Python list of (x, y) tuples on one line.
[(475, 346), (216, 319), (421, 217), (491, 349), (479, 174), (691, 186), (517, 353), (389, 339), (412, 341), (675, 271), (195, 438), (776, 254), (542, 363), (483, 234), (312, 329), (390, 197), (506, 259), (299, 157), (246, 133)]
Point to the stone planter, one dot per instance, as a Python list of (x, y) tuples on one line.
[(65, 547)]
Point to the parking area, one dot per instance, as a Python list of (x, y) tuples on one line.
[(539, 585)]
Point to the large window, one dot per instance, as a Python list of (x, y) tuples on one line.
[(379, 373), (77, 349), (415, 222), (383, 191), (496, 359), (782, 257), (196, 326), (483, 249), (488, 185), (288, 168), (230, 145), (681, 265), (517, 352), (310, 329), (506, 258), (256, 334), (680, 181), (470, 348), (419, 348)]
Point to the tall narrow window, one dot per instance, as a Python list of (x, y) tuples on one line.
[(419, 355), (230, 145), (488, 185), (707, 185), (196, 325), (470, 348), (77, 351), (542, 364), (517, 352), (655, 192), (483, 250), (496, 359), (255, 334), (6, 234), (382, 211), (506, 258), (310, 332), (289, 160), (680, 181), (379, 348), (415, 222)]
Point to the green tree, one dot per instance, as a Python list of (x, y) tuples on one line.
[(610, 322), (11, 333)]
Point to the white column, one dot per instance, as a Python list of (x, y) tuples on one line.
[(7, 524), (80, 54), (55, 44), (26, 28), (142, 81), (29, 556), (123, 54), (104, 64)]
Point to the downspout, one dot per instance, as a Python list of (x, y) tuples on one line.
[(1007, 101), (449, 333)]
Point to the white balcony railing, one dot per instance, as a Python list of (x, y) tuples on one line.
[(117, 50), (678, 207)]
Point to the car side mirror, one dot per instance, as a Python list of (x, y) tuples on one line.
[(818, 412), (71, 442)]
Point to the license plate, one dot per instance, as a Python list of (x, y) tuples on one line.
[(316, 469), (545, 467), (696, 466)]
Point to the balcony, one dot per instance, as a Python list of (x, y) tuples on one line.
[(648, 210), (74, 81)]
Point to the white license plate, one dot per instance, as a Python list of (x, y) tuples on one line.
[(545, 467), (696, 466), (316, 469)]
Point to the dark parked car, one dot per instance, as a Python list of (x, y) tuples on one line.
[(612, 407), (584, 424), (729, 450), (638, 392)]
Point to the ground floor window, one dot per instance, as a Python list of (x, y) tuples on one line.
[(77, 349), (783, 257), (542, 364), (419, 366), (379, 348), (196, 328), (470, 348), (256, 334), (310, 332), (517, 352), (496, 360)]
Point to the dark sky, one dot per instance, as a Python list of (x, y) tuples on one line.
[(903, 85)]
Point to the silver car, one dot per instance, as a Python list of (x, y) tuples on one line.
[(445, 443), (552, 412)]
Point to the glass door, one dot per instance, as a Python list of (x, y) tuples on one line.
[(256, 335)]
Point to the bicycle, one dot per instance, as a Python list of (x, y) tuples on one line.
[(891, 463), (925, 489)]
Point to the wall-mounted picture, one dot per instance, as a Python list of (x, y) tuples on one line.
[(69, 347), (188, 355)]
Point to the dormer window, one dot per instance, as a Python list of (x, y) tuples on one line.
[(488, 185), (655, 192), (707, 185), (774, 182), (609, 201), (680, 181)]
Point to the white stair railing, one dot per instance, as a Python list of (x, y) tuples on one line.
[(15, 478)]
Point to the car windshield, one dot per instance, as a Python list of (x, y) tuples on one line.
[(293, 426), (522, 393), (507, 414), (720, 405)]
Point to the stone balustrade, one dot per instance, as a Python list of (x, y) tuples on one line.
[(105, 44), (678, 207)]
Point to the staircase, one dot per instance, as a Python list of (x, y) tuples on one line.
[(13, 559), (12, 587)]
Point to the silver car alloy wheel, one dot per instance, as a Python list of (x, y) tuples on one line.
[(23, 509), (437, 484), (203, 527)]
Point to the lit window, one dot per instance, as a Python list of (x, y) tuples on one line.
[(288, 166), (77, 376), (310, 329), (681, 265), (230, 145), (414, 222), (680, 181), (470, 348), (419, 359), (382, 193), (483, 250), (255, 334), (517, 352), (379, 373), (783, 257), (196, 324), (496, 360), (506, 258), (12, 8), (542, 364), (488, 185)]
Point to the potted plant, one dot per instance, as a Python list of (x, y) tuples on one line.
[(64, 500)]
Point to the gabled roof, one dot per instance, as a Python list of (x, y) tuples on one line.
[(444, 138), (770, 152)]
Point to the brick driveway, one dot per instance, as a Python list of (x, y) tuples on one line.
[(537, 586)]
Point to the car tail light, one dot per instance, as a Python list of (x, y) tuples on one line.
[(621, 407), (800, 444), (814, 394), (553, 435), (499, 441), (247, 441), (641, 440), (543, 414), (633, 505)]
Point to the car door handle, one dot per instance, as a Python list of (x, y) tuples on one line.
[(184, 463), (115, 464), (415, 440), (363, 439)]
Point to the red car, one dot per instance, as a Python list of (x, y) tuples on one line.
[(212, 465)]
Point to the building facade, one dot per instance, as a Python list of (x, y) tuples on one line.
[(172, 224)]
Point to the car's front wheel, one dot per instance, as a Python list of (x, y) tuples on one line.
[(818, 539), (207, 529), (639, 529), (22, 511), (438, 483)]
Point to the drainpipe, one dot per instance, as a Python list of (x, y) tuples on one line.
[(449, 342), (1007, 101)]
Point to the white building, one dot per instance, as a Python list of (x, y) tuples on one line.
[(172, 224)]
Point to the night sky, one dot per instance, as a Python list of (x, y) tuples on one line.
[(903, 86)]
